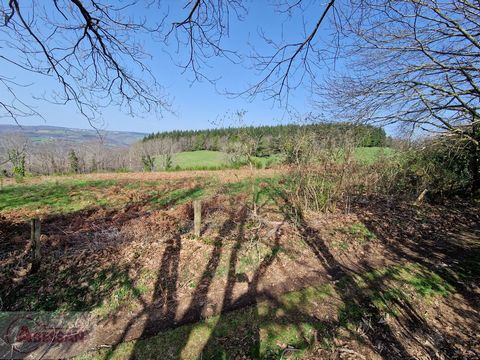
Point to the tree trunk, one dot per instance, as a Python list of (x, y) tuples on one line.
[(475, 169), (475, 158)]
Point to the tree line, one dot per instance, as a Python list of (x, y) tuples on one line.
[(411, 64), (20, 155), (270, 139)]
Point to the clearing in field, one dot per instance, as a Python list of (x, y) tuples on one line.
[(265, 284)]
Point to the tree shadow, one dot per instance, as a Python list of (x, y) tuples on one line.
[(71, 277), (163, 315), (249, 298), (198, 308), (443, 239), (381, 337), (357, 303)]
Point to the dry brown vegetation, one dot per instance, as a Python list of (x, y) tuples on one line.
[(402, 280)]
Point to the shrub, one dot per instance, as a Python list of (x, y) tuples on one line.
[(148, 162), (73, 161), (441, 167)]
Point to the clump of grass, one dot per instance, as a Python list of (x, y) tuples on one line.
[(426, 283), (357, 232), (177, 197), (361, 232), (261, 190), (124, 293), (341, 245)]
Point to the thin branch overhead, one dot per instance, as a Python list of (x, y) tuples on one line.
[(87, 47)]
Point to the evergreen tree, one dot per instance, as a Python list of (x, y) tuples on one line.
[(271, 136), (73, 161), (168, 161)]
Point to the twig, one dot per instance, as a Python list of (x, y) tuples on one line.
[(287, 350), (349, 351)]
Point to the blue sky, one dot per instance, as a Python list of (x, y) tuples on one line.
[(196, 105)]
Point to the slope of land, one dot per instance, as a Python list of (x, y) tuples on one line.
[(365, 284), (213, 160)]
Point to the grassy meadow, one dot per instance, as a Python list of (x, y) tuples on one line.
[(215, 160)]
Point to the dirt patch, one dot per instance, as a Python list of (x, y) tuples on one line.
[(139, 269), (155, 248)]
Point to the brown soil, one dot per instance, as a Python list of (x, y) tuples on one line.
[(242, 258)]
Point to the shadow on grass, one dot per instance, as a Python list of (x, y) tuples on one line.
[(366, 295), (443, 239), (79, 270), (363, 302), (161, 316), (176, 197)]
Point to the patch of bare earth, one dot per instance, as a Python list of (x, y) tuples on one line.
[(171, 277)]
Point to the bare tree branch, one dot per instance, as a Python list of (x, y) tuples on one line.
[(88, 47)]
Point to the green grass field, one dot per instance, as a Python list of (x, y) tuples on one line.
[(57, 196), (202, 158), (195, 160), (66, 196), (211, 160), (369, 155)]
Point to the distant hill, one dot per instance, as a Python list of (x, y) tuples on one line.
[(72, 136)]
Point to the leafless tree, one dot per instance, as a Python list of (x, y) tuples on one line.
[(14, 150), (199, 35), (286, 64), (281, 66), (415, 63), (88, 47), (48, 157)]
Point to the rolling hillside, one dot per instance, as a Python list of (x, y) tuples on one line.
[(72, 136)]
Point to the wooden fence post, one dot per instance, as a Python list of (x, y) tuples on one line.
[(420, 198), (35, 239), (197, 217)]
